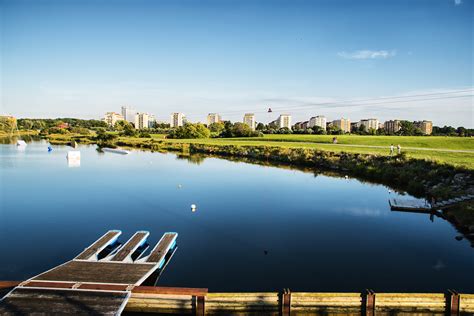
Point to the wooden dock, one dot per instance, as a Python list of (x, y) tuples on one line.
[(98, 281), (412, 205)]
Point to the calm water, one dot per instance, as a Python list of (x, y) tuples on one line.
[(320, 233)]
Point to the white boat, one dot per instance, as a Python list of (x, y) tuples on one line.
[(21, 143), (116, 151)]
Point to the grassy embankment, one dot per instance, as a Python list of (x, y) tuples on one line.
[(438, 149)]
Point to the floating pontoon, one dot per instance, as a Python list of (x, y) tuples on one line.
[(99, 280)]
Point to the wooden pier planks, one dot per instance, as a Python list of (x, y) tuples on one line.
[(409, 205), (91, 252), (27, 301), (126, 251), (98, 272), (162, 247), (87, 284)]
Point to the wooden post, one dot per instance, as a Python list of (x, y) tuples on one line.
[(368, 303), (285, 302), (200, 309), (453, 306)]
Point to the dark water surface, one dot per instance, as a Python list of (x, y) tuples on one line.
[(256, 228)]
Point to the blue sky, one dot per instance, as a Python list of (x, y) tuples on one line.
[(83, 58)]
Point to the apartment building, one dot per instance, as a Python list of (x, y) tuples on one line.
[(177, 119), (343, 124), (249, 119), (319, 120), (112, 117)]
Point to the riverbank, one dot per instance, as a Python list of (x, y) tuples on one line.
[(419, 177)]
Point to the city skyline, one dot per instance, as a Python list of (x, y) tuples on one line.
[(238, 57)]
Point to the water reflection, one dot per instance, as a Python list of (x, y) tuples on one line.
[(191, 158)]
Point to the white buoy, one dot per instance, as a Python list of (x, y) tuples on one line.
[(347, 177), (193, 207)]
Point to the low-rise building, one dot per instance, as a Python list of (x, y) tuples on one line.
[(177, 119), (301, 125), (392, 126), (319, 120), (213, 118), (249, 119), (343, 124), (426, 127), (112, 117), (141, 120)]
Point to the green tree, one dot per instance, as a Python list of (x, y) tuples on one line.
[(190, 130), (241, 130), (216, 128), (318, 130), (128, 130), (25, 124), (103, 138), (120, 125)]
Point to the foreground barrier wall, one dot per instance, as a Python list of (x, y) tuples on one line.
[(192, 301)]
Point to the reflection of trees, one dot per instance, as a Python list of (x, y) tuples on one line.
[(13, 139), (192, 158)]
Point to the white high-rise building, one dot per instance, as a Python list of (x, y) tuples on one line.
[(249, 119), (151, 120), (129, 114), (111, 118), (371, 123), (177, 119), (319, 120), (284, 121), (213, 118), (141, 120)]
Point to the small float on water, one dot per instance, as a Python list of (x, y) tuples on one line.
[(73, 158), (21, 143), (116, 151)]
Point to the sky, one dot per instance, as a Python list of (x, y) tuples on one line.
[(338, 58)]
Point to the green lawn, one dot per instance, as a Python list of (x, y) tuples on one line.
[(438, 142), (323, 142)]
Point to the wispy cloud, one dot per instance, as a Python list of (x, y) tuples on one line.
[(457, 2), (368, 54)]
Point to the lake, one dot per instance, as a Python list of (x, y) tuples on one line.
[(256, 228)]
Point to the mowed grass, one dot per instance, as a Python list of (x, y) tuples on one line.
[(324, 142), (434, 142)]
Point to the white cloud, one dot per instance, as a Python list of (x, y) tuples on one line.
[(368, 54), (457, 2)]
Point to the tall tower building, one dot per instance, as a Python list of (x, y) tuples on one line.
[(129, 114), (249, 119), (177, 119)]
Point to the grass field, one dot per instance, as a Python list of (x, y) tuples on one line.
[(441, 149)]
